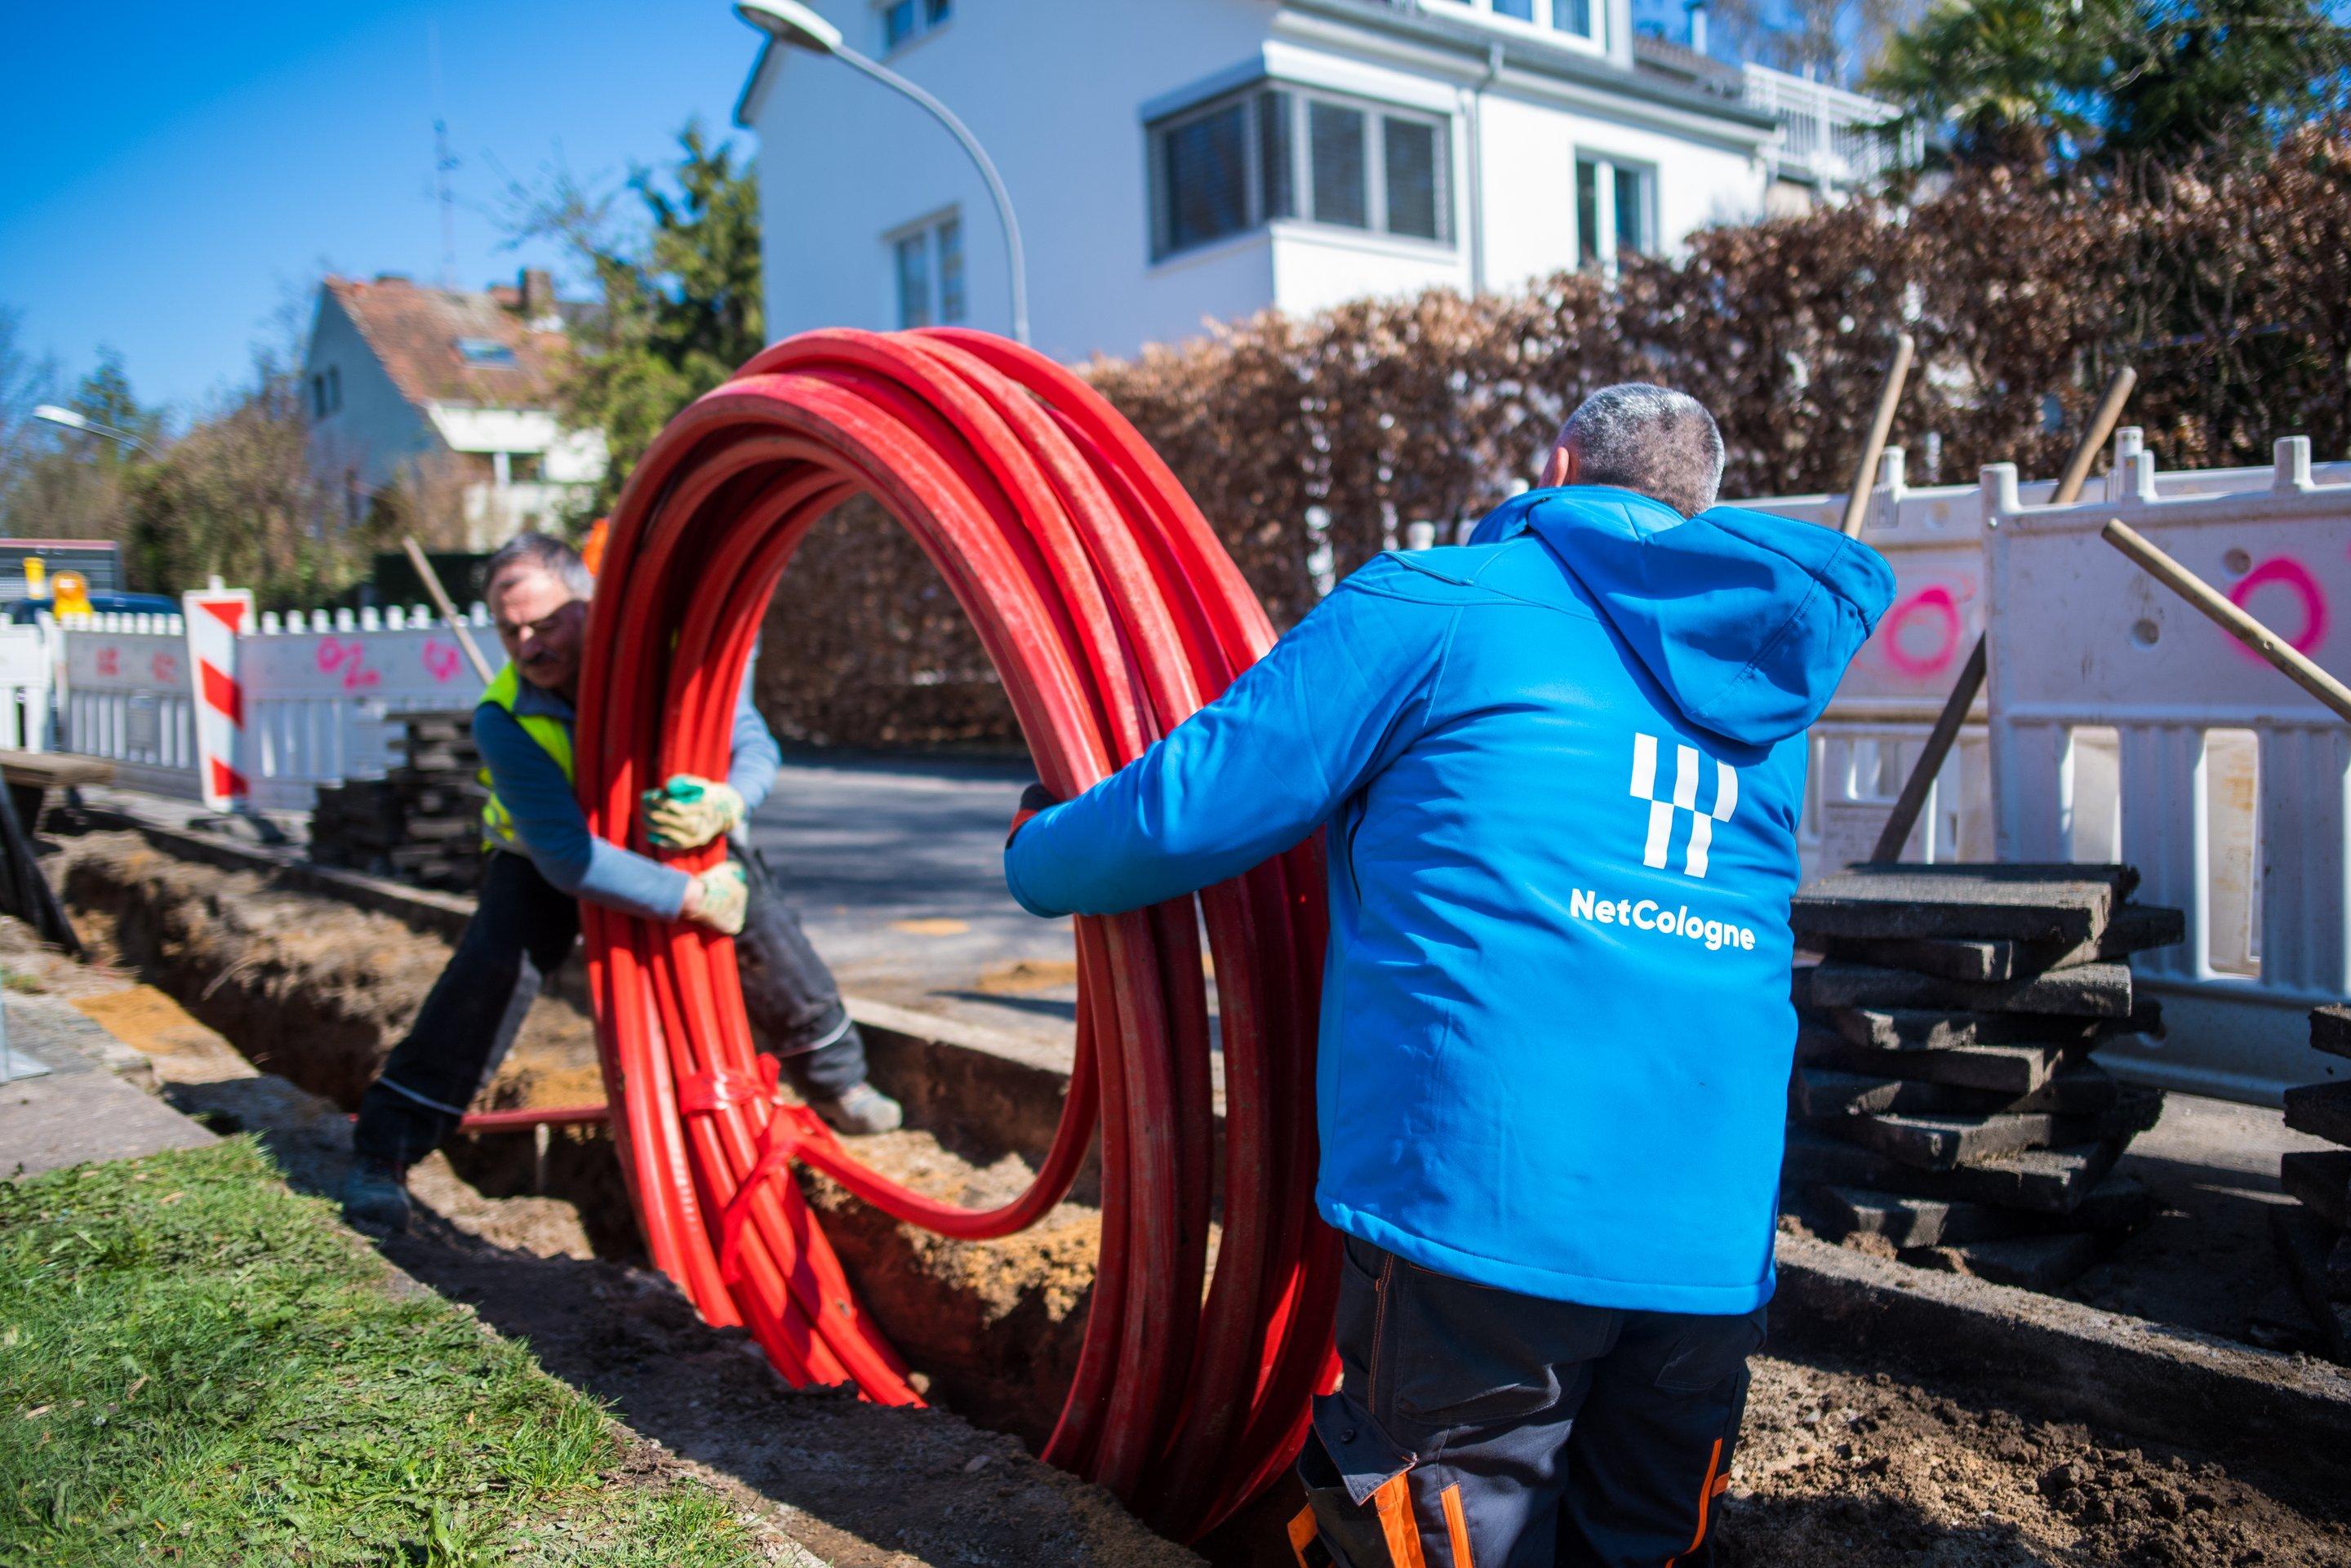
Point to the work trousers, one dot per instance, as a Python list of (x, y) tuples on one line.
[(521, 932), (1475, 1425)]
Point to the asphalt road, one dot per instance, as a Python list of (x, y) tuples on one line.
[(896, 867)]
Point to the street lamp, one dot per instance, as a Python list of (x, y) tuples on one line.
[(794, 25), (73, 419)]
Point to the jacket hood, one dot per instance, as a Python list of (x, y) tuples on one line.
[(1746, 620)]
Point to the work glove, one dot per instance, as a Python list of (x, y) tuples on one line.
[(688, 812), (719, 899), (1033, 799)]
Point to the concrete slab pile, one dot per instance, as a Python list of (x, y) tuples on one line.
[(1945, 1106), (422, 823), (2314, 1234)]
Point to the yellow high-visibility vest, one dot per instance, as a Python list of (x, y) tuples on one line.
[(554, 737)]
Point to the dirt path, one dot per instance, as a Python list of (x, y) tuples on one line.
[(1840, 1464)]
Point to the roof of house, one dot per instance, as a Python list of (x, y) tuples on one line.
[(454, 346)]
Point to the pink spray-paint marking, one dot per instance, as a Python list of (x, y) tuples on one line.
[(109, 661), (2297, 579), (164, 668), (350, 658), (1938, 603), (441, 660)]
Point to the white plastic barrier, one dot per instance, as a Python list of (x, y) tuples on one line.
[(1933, 538), (129, 698), (2125, 725), (26, 678), (321, 693), (323, 689)]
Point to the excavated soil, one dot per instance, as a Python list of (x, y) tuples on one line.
[(1839, 1464)]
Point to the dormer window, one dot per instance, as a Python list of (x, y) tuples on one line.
[(484, 351)]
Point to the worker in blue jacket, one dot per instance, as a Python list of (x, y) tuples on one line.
[(541, 859), (1562, 769)]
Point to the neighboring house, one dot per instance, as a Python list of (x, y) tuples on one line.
[(451, 393), (1172, 165)]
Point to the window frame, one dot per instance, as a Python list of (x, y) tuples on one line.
[(924, 17), (1545, 21), (926, 231), (1607, 168), (1298, 111)]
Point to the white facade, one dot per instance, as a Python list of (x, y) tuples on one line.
[(1492, 149), (376, 416)]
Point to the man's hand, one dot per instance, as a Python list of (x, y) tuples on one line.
[(1033, 799), (716, 899), (688, 812)]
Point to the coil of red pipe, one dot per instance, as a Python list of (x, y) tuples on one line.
[(1111, 611)]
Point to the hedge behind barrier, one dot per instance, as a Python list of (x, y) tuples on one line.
[(2230, 289)]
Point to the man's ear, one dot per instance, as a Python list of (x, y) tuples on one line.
[(1559, 468)]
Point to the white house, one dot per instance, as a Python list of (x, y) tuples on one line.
[(1172, 164), (439, 387)]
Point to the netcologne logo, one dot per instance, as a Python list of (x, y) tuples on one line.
[(1688, 763)]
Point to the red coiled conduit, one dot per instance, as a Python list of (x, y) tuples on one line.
[(1111, 612)]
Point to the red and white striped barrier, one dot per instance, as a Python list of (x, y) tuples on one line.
[(215, 617)]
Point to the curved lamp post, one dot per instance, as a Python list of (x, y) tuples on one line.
[(794, 25), (73, 419)]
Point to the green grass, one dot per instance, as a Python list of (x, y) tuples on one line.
[(197, 1367)]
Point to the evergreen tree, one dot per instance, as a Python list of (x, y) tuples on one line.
[(681, 291)]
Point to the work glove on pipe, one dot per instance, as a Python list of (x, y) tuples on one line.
[(688, 812), (1033, 799), (717, 898)]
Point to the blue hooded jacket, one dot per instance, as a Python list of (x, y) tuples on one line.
[(1563, 771)]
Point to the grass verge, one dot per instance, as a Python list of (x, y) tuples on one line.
[(198, 1365)]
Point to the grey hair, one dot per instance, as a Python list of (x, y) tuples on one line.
[(1650, 439), (542, 552)]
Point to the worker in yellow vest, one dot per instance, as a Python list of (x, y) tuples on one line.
[(542, 860)]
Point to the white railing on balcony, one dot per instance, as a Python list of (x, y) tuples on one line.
[(1828, 135)]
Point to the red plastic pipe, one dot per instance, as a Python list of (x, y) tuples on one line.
[(1110, 612)]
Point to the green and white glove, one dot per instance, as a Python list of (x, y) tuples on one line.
[(718, 899), (688, 812)]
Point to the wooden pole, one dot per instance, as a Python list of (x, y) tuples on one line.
[(2297, 666), (447, 607), (1865, 472), (1913, 799)]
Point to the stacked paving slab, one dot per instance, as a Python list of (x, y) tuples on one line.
[(422, 823), (2315, 1233), (1945, 1104)]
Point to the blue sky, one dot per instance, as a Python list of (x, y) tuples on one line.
[(175, 174), (175, 171)]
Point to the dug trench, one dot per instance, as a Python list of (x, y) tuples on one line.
[(1851, 1452)]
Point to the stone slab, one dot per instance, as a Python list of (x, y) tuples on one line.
[(2134, 928), (2086, 991), (2026, 1262), (1821, 1090), (2330, 1031), (1942, 1143), (2067, 903), (2046, 1181), (1928, 1029), (2319, 1178), (90, 1104), (2117, 1204), (2011, 1072), (2322, 1110)]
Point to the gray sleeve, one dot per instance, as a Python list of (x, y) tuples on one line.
[(554, 832), (751, 769)]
